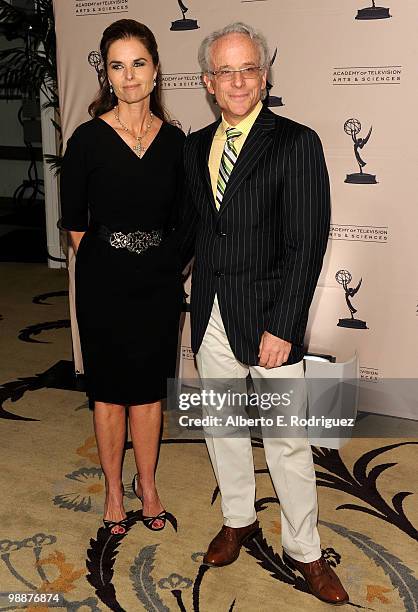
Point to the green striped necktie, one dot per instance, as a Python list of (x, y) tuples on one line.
[(228, 159)]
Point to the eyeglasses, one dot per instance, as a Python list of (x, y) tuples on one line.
[(251, 72)]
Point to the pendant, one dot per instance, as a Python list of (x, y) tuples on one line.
[(139, 149)]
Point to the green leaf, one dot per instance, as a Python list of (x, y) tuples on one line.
[(55, 163)]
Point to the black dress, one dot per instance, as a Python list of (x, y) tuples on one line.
[(128, 304)]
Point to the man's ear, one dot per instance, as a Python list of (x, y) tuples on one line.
[(208, 83), (264, 79)]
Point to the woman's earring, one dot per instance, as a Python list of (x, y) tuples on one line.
[(111, 88), (155, 83)]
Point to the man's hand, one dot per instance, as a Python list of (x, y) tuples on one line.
[(273, 351)]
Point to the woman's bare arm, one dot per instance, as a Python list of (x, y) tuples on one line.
[(76, 239)]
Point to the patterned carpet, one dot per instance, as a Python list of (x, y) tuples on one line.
[(52, 493)]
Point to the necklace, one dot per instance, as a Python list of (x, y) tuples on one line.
[(139, 147)]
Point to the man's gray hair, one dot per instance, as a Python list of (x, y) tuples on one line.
[(234, 28)]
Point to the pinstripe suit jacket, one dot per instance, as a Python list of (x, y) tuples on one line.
[(262, 252)]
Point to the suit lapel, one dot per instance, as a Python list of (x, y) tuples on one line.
[(259, 138), (205, 146)]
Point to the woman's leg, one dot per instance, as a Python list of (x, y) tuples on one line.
[(145, 426), (110, 427)]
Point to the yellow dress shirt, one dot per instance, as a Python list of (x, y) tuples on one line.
[(219, 140)]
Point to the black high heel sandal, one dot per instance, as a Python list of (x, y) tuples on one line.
[(149, 520), (119, 524)]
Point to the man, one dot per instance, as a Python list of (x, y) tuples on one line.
[(258, 225)]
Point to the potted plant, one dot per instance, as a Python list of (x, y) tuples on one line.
[(30, 69)]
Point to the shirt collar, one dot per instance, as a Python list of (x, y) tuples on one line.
[(246, 124)]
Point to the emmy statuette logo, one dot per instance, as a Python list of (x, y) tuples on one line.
[(344, 278), (183, 24), (352, 127), (373, 12), (273, 101), (95, 59)]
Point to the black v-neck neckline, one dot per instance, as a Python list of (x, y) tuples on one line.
[(126, 144)]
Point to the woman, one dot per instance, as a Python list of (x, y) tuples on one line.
[(120, 183)]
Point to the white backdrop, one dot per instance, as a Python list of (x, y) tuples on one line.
[(329, 67)]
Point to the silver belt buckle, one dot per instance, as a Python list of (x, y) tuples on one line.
[(135, 242), (118, 240)]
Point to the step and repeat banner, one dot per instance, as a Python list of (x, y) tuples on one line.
[(348, 70)]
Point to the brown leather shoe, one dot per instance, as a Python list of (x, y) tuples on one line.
[(322, 581), (225, 546)]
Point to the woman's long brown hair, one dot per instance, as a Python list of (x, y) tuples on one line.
[(119, 30)]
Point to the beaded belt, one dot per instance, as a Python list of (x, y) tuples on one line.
[(135, 242)]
